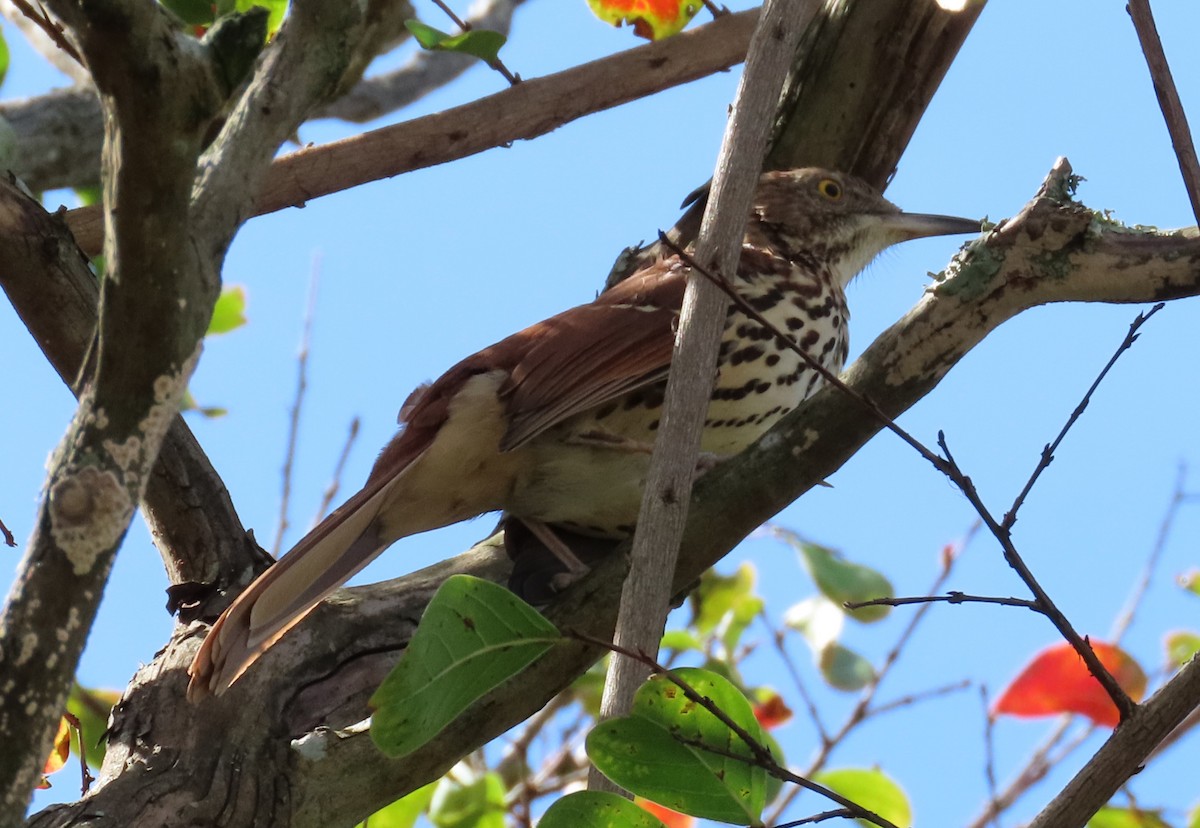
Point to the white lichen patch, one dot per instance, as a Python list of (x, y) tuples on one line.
[(810, 437), (89, 510), (29, 643), (168, 391), (126, 455)]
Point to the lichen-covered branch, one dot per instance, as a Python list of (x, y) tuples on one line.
[(322, 673), (159, 95)]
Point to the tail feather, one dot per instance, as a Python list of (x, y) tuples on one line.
[(340, 546)]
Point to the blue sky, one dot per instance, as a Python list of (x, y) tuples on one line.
[(418, 271)]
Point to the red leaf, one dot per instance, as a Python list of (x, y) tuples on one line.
[(651, 19), (669, 818), (1057, 681), (772, 711)]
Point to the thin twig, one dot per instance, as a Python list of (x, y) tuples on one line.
[(922, 696), (862, 708), (1034, 770), (297, 405), (1045, 605), (777, 637), (1178, 498), (951, 597), (53, 30), (9, 540), (464, 26), (1168, 99), (761, 757), (809, 360), (989, 753), (336, 482), (947, 465), (86, 778), (1048, 452)]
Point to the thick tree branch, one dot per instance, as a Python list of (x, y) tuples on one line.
[(160, 93), (532, 108), (53, 290), (1053, 251)]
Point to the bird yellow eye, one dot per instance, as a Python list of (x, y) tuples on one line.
[(830, 189)]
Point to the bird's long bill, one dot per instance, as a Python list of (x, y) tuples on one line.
[(907, 226)]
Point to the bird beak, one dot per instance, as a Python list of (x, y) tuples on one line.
[(905, 226)]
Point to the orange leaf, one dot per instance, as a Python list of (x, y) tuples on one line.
[(59, 753), (1057, 681), (669, 818), (651, 19), (772, 711)]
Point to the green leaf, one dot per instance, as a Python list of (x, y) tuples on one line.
[(719, 595), (4, 56), (597, 809), (474, 636), (1191, 581), (845, 669), (658, 751), (1108, 817), (1181, 646), (88, 195), (192, 12), (680, 641), (402, 813), (872, 789), (229, 313), (427, 36), (842, 581), (470, 802), (275, 9), (481, 43)]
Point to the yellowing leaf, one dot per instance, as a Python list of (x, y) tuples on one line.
[(651, 19), (872, 789), (1057, 681), (59, 753)]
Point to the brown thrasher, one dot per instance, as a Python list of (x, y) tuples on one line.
[(554, 424)]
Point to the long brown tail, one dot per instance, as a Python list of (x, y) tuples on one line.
[(327, 557)]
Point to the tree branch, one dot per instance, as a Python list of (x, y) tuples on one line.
[(532, 108), (645, 598), (322, 673)]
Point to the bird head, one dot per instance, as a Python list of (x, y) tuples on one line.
[(818, 217)]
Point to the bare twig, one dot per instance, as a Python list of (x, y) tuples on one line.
[(1032, 772), (777, 638), (335, 482), (922, 696), (86, 778), (9, 540), (862, 708), (951, 597), (947, 465), (297, 405), (53, 30), (1179, 497), (532, 108), (809, 360), (1168, 99), (1010, 518), (989, 753)]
